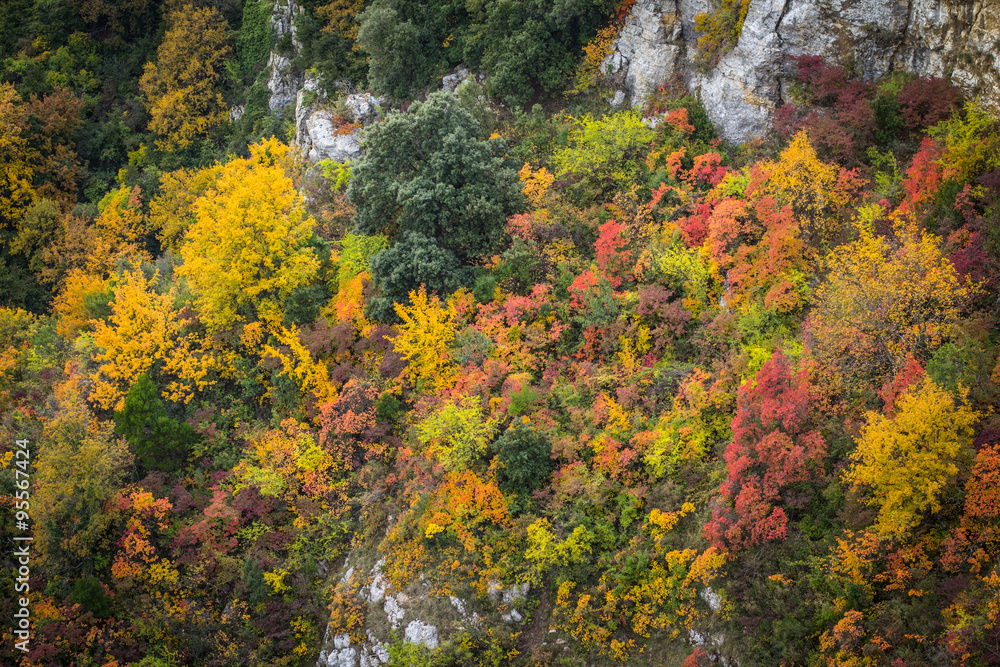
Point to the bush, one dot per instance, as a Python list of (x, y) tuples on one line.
[(89, 592), (526, 458), (159, 442)]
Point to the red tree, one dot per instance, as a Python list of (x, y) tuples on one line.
[(772, 448)]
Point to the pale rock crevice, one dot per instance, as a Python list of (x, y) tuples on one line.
[(646, 52)]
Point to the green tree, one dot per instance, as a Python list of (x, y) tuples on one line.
[(521, 44), (439, 190), (159, 442), (526, 457)]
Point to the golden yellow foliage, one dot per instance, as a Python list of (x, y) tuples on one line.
[(424, 337), (190, 363), (171, 211), (71, 303), (181, 87), (312, 375), (885, 298), (121, 222), (909, 460), (536, 183), (246, 252), (16, 191), (816, 191), (139, 333), (288, 464)]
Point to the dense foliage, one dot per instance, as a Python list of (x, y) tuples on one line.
[(705, 401)]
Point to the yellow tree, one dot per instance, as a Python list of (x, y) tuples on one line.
[(16, 192), (457, 434), (817, 192), (138, 334), (181, 87), (121, 222), (885, 298), (172, 210), (424, 336), (908, 461), (245, 252), (288, 464)]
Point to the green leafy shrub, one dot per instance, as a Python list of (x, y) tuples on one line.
[(526, 458), (720, 30), (439, 191), (604, 154), (159, 442)]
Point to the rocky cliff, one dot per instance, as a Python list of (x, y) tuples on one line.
[(953, 38)]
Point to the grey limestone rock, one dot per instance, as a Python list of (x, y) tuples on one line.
[(283, 86), (450, 82), (647, 49), (317, 133), (418, 632), (284, 82), (956, 38), (394, 610)]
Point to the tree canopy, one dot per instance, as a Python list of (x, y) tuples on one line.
[(441, 191)]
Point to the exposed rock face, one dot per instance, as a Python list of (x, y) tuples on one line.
[(318, 130), (285, 81), (418, 632), (417, 615), (283, 86), (956, 38), (450, 82), (648, 48)]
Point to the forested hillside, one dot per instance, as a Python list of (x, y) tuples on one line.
[(534, 380)]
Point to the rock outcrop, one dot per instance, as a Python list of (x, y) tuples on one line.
[(327, 131), (954, 38), (285, 81), (416, 615)]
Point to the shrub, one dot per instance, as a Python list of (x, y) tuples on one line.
[(526, 458), (159, 442)]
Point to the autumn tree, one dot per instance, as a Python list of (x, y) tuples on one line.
[(137, 336), (16, 190), (181, 88), (341, 17), (246, 251), (50, 123), (80, 468), (818, 192), (172, 210), (439, 190), (886, 297), (773, 447), (906, 463), (424, 338), (457, 434)]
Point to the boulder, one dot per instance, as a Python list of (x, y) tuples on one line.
[(418, 632)]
